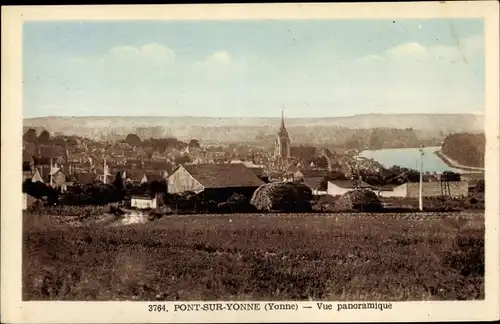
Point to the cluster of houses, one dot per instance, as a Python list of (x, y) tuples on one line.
[(220, 181), (215, 177)]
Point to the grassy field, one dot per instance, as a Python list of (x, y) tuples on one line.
[(259, 257)]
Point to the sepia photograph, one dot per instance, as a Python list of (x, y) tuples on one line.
[(253, 160)]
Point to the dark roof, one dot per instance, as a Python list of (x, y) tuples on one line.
[(223, 175), (84, 178), (258, 171), (134, 175), (312, 173), (159, 166), (313, 183), (51, 151), (349, 183), (42, 161), (153, 175)]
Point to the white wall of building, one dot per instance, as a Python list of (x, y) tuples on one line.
[(143, 203), (399, 191), (334, 190)]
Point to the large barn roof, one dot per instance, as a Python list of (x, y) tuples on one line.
[(223, 175)]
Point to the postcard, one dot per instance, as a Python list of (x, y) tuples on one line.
[(250, 163)]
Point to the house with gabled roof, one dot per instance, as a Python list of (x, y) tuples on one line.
[(213, 181)]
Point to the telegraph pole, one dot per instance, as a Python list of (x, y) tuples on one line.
[(420, 194)]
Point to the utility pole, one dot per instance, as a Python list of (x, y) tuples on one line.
[(420, 194)]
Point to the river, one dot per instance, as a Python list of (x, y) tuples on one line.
[(409, 158)]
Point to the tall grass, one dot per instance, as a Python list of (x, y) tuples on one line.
[(258, 257)]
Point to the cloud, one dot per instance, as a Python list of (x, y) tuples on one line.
[(220, 57), (410, 50), (217, 65), (153, 54), (465, 51)]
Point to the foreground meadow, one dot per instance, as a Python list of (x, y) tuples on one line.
[(258, 257)]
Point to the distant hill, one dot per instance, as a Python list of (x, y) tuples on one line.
[(230, 129)]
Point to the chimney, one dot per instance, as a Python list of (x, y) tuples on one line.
[(105, 172), (50, 172)]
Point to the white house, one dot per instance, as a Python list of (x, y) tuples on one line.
[(340, 187), (395, 191), (429, 189), (143, 202)]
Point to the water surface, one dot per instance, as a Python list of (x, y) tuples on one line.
[(410, 158)]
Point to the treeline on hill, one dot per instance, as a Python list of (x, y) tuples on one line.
[(155, 144), (465, 148), (379, 138), (30, 136), (159, 144)]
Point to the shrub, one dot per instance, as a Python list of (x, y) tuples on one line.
[(237, 203), (359, 200), (282, 197), (325, 203)]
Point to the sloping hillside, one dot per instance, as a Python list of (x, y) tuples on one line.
[(249, 129)]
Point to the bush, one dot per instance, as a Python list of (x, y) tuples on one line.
[(237, 203), (325, 203), (359, 200), (282, 197)]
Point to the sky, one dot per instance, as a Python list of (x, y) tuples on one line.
[(309, 68)]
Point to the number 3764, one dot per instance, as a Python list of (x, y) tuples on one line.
[(158, 308)]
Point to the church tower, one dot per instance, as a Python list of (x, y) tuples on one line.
[(282, 144)]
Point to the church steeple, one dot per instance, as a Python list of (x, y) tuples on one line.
[(282, 120), (282, 145)]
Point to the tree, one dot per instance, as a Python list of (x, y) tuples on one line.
[(118, 185), (44, 137), (133, 140), (331, 176), (182, 159), (375, 142), (30, 136), (451, 176), (155, 187), (194, 143)]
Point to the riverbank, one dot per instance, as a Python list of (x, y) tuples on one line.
[(454, 164)]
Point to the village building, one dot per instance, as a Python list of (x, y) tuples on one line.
[(149, 176), (455, 189), (214, 181), (37, 176), (282, 146), (340, 187), (58, 179), (84, 177), (144, 202), (258, 169)]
